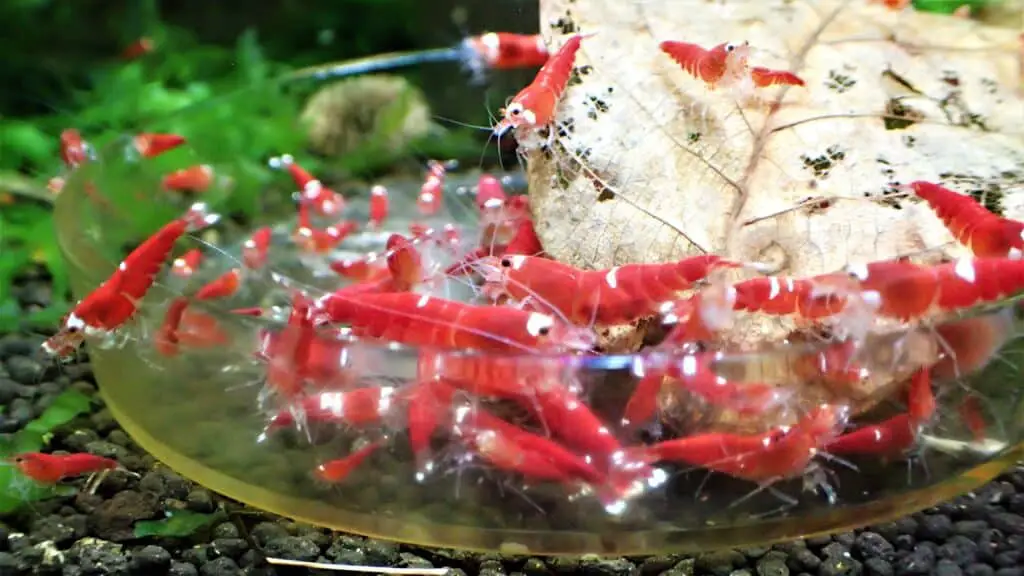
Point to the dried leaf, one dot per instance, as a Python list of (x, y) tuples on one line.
[(649, 159)]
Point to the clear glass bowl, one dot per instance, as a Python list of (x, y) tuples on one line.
[(205, 414)]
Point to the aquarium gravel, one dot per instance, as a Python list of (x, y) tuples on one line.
[(978, 534)]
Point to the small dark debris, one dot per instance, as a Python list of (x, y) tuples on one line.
[(899, 116), (565, 24), (693, 137), (823, 164), (950, 77)]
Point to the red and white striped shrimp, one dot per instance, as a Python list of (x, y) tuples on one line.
[(802, 297), (906, 291), (312, 191), (534, 106), (256, 248), (315, 240), (432, 191), (506, 51), (74, 150), (186, 265), (700, 317), (987, 235), (379, 206), (115, 302), (420, 320), (615, 296)]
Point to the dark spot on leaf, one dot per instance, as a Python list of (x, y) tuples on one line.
[(822, 165), (693, 137), (839, 83), (899, 116)]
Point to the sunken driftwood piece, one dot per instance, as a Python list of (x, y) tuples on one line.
[(650, 166)]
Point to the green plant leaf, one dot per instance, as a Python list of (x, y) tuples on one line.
[(65, 408), (17, 490), (178, 524)]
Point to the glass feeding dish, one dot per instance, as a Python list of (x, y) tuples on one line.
[(209, 413)]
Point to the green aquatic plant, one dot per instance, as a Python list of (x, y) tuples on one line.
[(16, 490), (177, 524)]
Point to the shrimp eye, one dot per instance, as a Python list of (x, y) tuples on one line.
[(544, 331), (506, 263), (730, 47), (72, 329), (515, 110)]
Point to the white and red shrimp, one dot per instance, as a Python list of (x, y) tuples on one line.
[(107, 308)]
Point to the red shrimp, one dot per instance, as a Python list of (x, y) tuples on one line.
[(709, 66), (971, 343), (115, 301), (615, 296), (287, 352), (138, 49), (166, 338), (420, 320), (521, 450), (525, 240), (199, 330), (429, 200), (776, 455), (194, 179), (404, 262), (52, 468), (764, 77), (427, 406), (897, 434), (320, 240), (187, 264), (256, 248), (695, 374), (312, 192), (534, 106), (367, 269), (378, 205), (224, 286), (704, 448), (74, 151), (803, 297), (151, 145), (906, 291), (338, 470), (701, 316), (490, 194), (987, 235), (507, 51), (357, 407)]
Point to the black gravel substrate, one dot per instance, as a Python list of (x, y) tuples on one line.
[(980, 534)]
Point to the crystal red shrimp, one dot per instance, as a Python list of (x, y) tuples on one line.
[(517, 450), (534, 106), (338, 470), (907, 291), (320, 240), (764, 77), (431, 192), (379, 206), (419, 320), (615, 296), (356, 407), (974, 226), (368, 269), (897, 434), (151, 145), (187, 264), (788, 296), (288, 352), (74, 151), (709, 66), (256, 248), (166, 339), (695, 374), (224, 286), (778, 455), (701, 316), (52, 468), (427, 405), (194, 179), (312, 191), (971, 343), (115, 301), (508, 51)]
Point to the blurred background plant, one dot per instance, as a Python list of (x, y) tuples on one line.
[(211, 71)]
